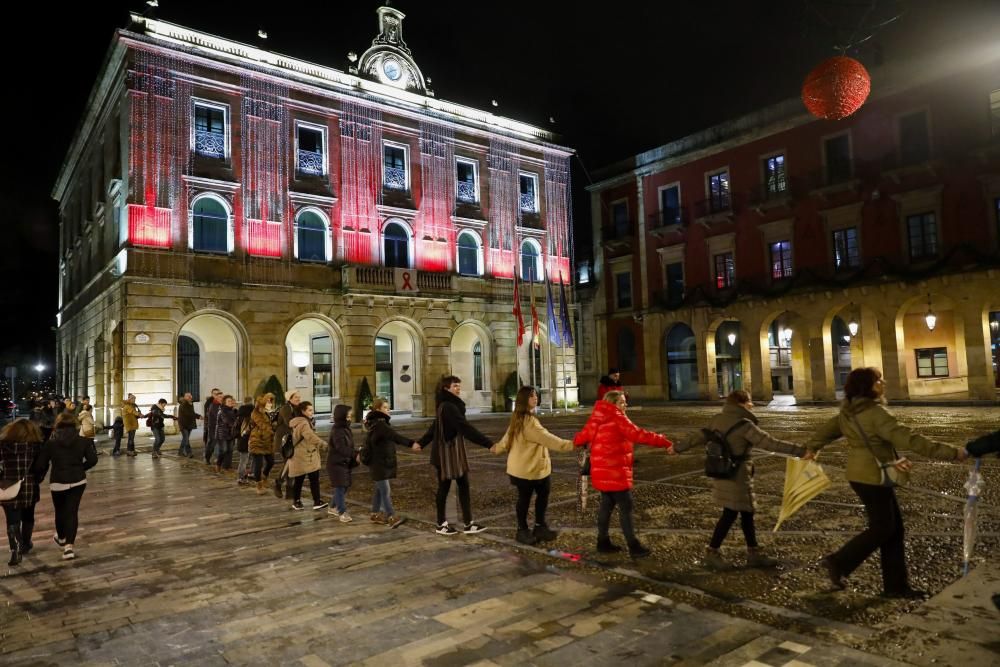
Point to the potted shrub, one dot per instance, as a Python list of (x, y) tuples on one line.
[(510, 388), (363, 402)]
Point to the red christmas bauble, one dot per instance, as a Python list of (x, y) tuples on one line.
[(836, 88)]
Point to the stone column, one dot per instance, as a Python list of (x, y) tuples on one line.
[(893, 362), (978, 353)]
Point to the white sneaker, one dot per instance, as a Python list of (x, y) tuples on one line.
[(446, 529), (345, 518), (471, 528), (320, 506), (68, 553), (333, 511)]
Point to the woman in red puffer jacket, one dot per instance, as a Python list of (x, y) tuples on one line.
[(611, 435)]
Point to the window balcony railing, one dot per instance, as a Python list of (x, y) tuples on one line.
[(714, 206), (667, 218), (394, 178), (310, 162), (528, 202), (210, 143), (465, 191)]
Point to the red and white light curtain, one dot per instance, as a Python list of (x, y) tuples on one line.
[(357, 230), (158, 142), (262, 208), (434, 229), (557, 218), (502, 245)]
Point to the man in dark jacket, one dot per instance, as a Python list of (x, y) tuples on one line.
[(187, 420), (241, 431), (222, 436), (609, 382), (446, 436), (155, 420), (212, 406)]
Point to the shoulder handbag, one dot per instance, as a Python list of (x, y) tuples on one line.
[(891, 475), (287, 447), (10, 492)]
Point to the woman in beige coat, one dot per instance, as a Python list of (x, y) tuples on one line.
[(738, 424), (306, 460), (873, 439), (529, 465)]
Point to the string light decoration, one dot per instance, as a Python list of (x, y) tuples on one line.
[(264, 151), (502, 161), (836, 88), (434, 229), (360, 181), (557, 191)]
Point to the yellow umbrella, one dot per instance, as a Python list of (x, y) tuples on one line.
[(804, 480)]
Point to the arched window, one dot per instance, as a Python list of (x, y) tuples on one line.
[(396, 242), (531, 261), (477, 366), (469, 254), (188, 366), (210, 222), (310, 235)]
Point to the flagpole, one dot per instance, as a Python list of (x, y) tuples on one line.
[(562, 340)]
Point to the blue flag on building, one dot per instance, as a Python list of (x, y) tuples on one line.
[(552, 323), (567, 330)]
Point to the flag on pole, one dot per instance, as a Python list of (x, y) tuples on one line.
[(553, 323), (518, 318), (567, 331), (804, 480), (534, 312)]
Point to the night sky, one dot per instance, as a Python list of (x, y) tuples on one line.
[(618, 80)]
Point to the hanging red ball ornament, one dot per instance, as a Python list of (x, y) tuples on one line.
[(836, 88)]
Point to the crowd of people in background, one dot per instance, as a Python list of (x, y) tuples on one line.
[(58, 440)]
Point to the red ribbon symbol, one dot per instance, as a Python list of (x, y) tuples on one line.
[(406, 281)]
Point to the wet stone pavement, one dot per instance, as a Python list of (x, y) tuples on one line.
[(179, 565)]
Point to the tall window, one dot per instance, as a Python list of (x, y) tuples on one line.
[(675, 283), (209, 130), (383, 369), (781, 260), (396, 245), (531, 262), (932, 362), (718, 191), (468, 255), (619, 220), (310, 155), (921, 230), (775, 182), (211, 226), (477, 366), (670, 205), (466, 189), (845, 249), (914, 138), (623, 283), (394, 176), (529, 193), (626, 350), (310, 236), (724, 270), (837, 152)]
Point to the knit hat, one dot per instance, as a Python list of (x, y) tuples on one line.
[(289, 394)]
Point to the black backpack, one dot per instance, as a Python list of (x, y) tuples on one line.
[(719, 460)]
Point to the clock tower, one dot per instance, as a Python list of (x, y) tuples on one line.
[(388, 60)]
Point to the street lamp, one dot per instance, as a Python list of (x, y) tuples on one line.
[(732, 338), (39, 367), (853, 325), (930, 318)]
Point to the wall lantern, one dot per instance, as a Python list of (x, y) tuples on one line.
[(732, 338), (930, 318), (788, 336), (853, 325), (301, 360)]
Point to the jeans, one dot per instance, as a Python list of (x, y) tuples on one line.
[(67, 506), (209, 448), (222, 447), (726, 522), (338, 500), (185, 447), (382, 498), (623, 499), (313, 486), (885, 533), (26, 517), (444, 486), (244, 466), (525, 488), (262, 464), (131, 441), (118, 444), (158, 437)]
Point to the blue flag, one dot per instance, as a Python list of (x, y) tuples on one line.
[(567, 330), (553, 324)]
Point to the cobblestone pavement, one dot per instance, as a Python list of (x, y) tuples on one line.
[(177, 564)]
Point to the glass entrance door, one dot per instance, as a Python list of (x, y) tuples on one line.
[(322, 371), (383, 369)]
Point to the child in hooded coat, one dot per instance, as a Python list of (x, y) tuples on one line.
[(340, 458)]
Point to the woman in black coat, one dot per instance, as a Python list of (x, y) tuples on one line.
[(380, 453), (340, 458), (19, 445), (70, 457)]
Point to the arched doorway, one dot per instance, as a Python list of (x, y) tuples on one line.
[(682, 363), (188, 366), (840, 344), (312, 363), (398, 355), (930, 340), (728, 358), (785, 348), (219, 357), (471, 360)]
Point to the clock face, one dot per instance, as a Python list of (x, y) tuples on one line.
[(392, 70)]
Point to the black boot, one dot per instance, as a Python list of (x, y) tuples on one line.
[(637, 550), (606, 546), (524, 536), (27, 528), (14, 537), (545, 534)]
